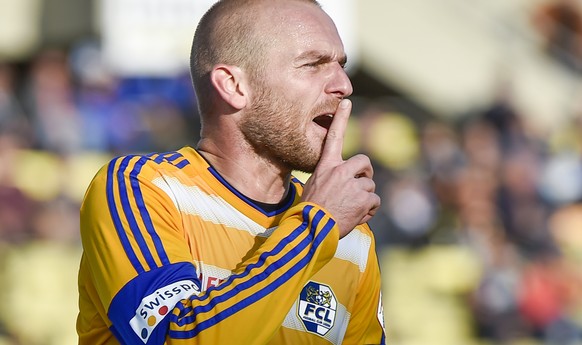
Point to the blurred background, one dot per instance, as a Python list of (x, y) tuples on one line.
[(470, 111)]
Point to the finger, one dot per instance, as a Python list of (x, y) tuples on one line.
[(334, 140), (376, 202), (365, 164), (366, 219), (366, 184), (359, 166)]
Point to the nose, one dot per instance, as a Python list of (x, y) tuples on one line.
[(339, 83)]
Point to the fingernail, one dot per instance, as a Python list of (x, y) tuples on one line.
[(344, 103)]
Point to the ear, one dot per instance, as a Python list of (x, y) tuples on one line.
[(230, 84)]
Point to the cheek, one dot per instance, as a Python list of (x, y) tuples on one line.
[(304, 90), (294, 104)]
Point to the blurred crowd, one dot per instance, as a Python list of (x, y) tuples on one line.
[(479, 234), (480, 228), (62, 116)]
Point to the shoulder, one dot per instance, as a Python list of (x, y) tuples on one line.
[(142, 164), (130, 171)]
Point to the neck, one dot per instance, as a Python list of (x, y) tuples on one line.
[(251, 174)]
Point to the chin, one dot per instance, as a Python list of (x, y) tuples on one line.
[(306, 162)]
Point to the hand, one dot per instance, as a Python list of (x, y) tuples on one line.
[(343, 188)]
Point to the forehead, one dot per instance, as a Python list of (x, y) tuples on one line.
[(297, 27)]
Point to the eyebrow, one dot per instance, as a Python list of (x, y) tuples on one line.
[(320, 57)]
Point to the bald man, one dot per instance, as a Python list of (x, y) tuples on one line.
[(220, 244)]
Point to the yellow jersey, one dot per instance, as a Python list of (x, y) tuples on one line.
[(173, 254)]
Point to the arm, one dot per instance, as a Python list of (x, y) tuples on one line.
[(141, 266), (366, 324)]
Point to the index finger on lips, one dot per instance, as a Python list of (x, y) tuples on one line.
[(334, 140)]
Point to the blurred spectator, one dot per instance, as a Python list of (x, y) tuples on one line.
[(44, 269), (496, 299), (560, 24), (154, 114), (523, 212), (16, 208), (51, 102), (132, 114), (12, 117), (441, 151), (547, 291), (96, 96)]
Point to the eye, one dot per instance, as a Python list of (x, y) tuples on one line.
[(343, 62), (312, 64)]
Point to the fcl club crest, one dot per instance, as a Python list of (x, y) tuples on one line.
[(317, 308)]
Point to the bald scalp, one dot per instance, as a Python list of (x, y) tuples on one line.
[(231, 32)]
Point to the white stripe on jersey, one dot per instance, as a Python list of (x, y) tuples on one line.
[(212, 208), (192, 200), (354, 248), (212, 271)]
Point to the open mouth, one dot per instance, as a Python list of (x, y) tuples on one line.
[(324, 120)]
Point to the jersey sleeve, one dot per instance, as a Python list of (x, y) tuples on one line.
[(366, 324), (140, 263)]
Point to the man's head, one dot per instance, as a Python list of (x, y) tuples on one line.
[(231, 32), (278, 64)]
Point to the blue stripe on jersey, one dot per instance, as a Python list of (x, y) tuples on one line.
[(280, 280), (166, 156), (263, 257), (263, 292), (143, 211), (160, 158), (134, 227), (249, 201), (267, 289), (173, 156), (169, 157), (127, 303), (117, 221), (257, 278), (182, 164)]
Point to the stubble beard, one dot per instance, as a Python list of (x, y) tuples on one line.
[(272, 126)]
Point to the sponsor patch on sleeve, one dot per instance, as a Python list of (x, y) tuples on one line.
[(155, 306)]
